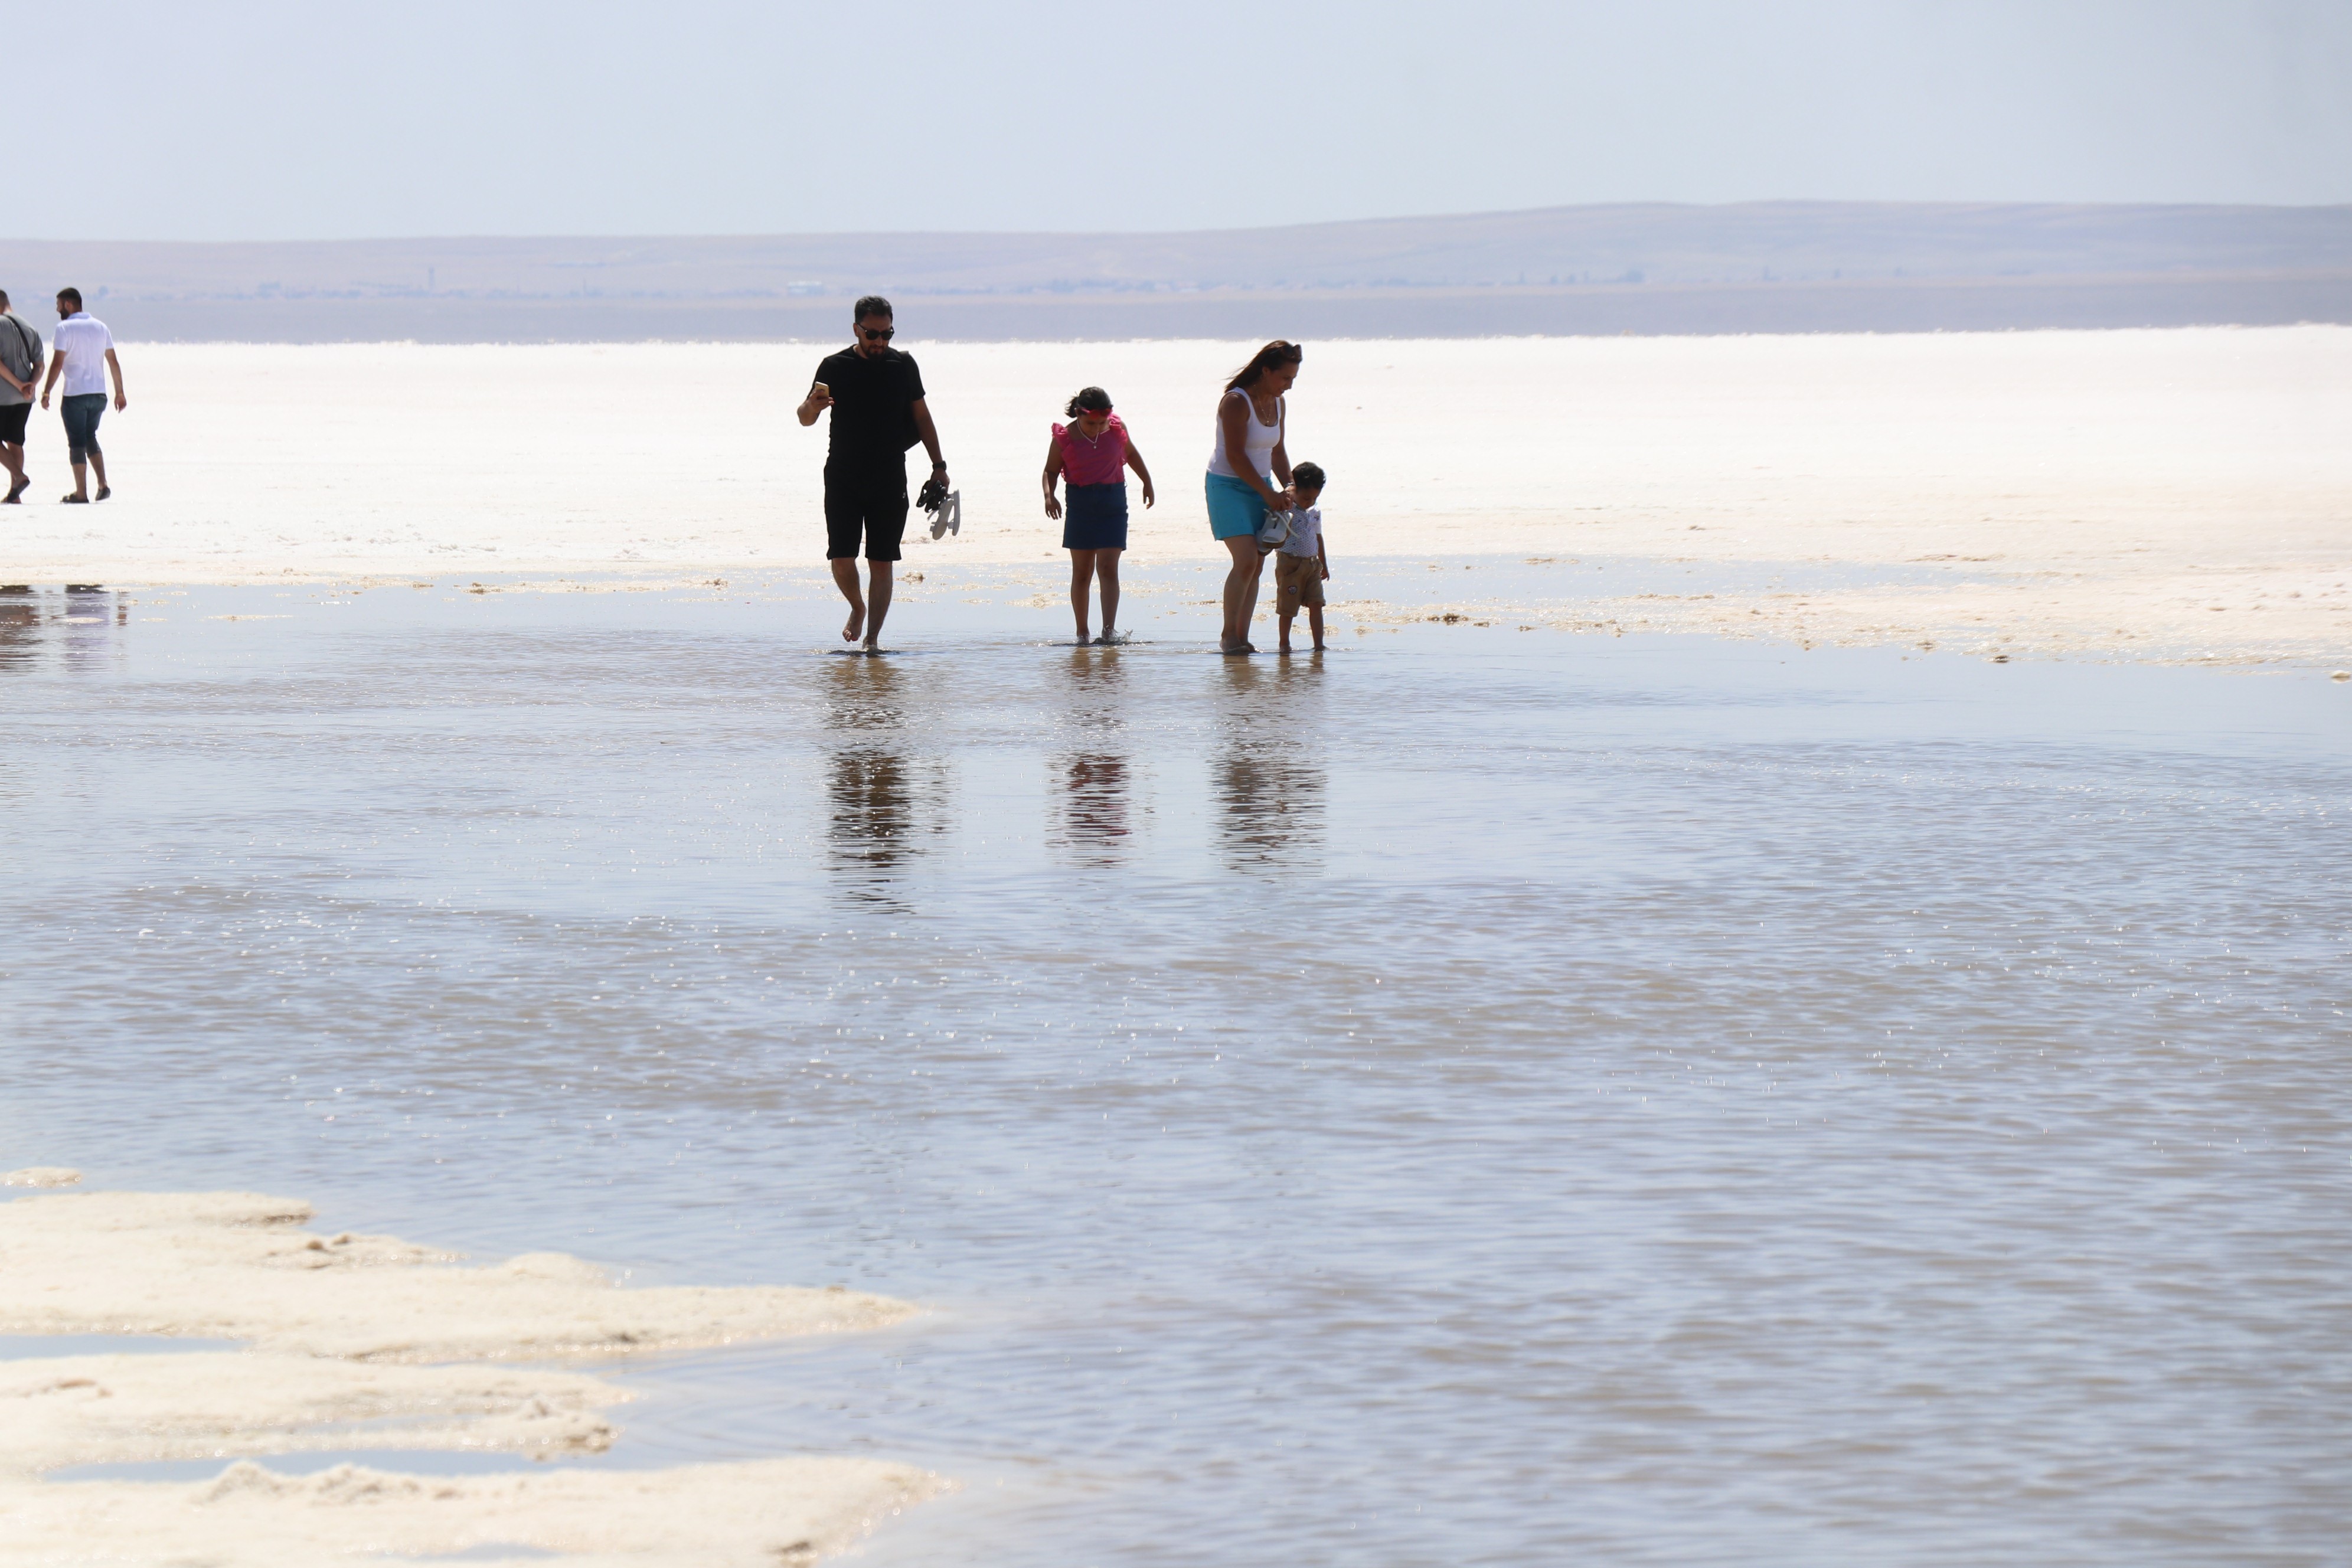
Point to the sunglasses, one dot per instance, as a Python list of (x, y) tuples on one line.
[(883, 336)]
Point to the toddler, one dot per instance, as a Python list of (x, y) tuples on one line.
[(1300, 567)]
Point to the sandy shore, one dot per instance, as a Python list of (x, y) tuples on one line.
[(360, 1341), (2178, 494)]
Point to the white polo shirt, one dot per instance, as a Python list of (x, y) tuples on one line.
[(81, 340), (1306, 531)]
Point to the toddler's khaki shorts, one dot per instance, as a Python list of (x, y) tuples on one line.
[(1297, 580)]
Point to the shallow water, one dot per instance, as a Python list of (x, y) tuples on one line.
[(1480, 1097)]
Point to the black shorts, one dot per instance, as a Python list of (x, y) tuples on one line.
[(12, 423), (868, 500)]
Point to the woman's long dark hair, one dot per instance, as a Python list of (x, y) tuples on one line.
[(1266, 359)]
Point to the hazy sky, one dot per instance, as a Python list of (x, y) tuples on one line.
[(329, 118)]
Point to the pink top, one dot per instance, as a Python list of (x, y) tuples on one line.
[(1095, 462)]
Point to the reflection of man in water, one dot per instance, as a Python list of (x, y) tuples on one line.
[(871, 808), (92, 616), (876, 397), (877, 799), (20, 627)]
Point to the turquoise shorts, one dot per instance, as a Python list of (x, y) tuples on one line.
[(1236, 511)]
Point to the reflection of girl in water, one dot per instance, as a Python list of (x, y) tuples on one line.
[(1094, 454)]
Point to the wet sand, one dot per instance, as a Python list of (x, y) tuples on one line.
[(369, 1340), (2173, 495)]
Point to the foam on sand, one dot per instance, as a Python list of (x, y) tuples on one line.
[(41, 1176), (339, 1323), (238, 1265), (118, 1409), (771, 1513)]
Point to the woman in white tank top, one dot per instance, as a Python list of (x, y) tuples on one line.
[(1251, 417)]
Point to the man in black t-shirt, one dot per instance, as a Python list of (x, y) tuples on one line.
[(876, 397)]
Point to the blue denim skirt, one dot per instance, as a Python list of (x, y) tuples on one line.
[(1094, 517)]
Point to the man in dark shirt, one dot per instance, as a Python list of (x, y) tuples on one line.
[(876, 397)]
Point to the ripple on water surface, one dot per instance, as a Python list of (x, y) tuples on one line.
[(1474, 1098)]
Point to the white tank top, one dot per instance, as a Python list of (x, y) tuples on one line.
[(1259, 438)]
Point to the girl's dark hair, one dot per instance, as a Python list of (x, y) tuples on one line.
[(1307, 476), (1266, 359), (1093, 398)]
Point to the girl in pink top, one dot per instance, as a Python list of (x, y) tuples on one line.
[(1094, 454)]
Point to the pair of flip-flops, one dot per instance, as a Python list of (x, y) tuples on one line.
[(945, 507), (103, 491)]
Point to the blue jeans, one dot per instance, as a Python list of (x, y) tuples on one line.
[(81, 411)]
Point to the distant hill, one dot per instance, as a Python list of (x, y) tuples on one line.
[(1650, 268)]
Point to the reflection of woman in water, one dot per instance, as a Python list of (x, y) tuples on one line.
[(1250, 419), (1093, 456)]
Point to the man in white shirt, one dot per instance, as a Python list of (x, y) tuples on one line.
[(20, 368), (81, 345)]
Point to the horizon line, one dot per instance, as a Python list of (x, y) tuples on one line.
[(1775, 202)]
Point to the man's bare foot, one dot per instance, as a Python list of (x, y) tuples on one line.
[(874, 644), (1282, 647), (855, 627)]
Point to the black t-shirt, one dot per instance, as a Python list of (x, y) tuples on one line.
[(873, 403)]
